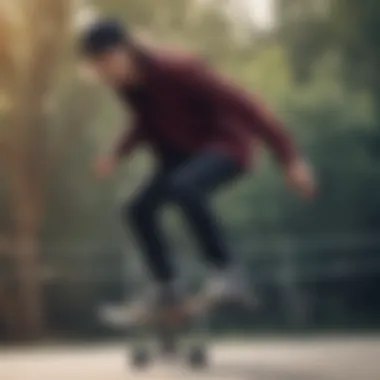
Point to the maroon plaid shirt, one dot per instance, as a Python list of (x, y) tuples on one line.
[(188, 107)]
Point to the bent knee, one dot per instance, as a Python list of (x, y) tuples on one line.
[(181, 188), (134, 210), (139, 209)]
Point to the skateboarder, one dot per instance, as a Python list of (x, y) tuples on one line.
[(202, 130)]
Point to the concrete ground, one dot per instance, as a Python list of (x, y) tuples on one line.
[(296, 359)]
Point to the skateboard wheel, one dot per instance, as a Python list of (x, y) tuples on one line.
[(168, 346), (197, 357), (140, 358)]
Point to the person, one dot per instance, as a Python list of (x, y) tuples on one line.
[(203, 131)]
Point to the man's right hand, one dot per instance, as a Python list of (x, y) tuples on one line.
[(104, 166)]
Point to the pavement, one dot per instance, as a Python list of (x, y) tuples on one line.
[(318, 358)]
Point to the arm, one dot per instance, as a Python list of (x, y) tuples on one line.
[(229, 102), (225, 98), (127, 143), (105, 166)]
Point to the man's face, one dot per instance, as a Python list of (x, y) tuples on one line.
[(114, 66)]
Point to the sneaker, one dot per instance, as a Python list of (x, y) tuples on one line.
[(161, 297), (229, 285)]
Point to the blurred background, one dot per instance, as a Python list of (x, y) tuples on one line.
[(63, 252)]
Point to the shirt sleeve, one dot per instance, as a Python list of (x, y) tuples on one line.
[(128, 142), (230, 101)]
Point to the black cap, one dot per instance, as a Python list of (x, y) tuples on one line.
[(103, 35)]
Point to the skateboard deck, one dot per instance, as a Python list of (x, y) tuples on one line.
[(168, 315), (190, 308)]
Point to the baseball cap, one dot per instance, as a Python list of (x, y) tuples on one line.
[(102, 35)]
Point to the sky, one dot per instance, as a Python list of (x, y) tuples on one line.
[(262, 11)]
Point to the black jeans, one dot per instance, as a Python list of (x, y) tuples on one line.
[(187, 182)]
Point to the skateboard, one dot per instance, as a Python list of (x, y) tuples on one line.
[(191, 307), (167, 325)]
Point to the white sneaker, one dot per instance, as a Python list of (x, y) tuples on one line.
[(113, 315), (120, 315), (228, 285)]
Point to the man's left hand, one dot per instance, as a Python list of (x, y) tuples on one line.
[(300, 177)]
